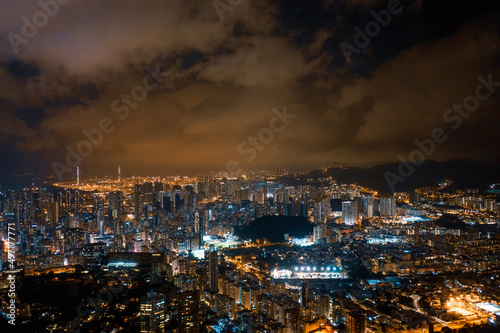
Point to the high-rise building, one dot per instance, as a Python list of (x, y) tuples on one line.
[(213, 263), (147, 193), (292, 320), (92, 255), (188, 308), (178, 201), (165, 201), (367, 206), (387, 206), (324, 306), (100, 216), (199, 228), (320, 213), (152, 313), (305, 293), (55, 213), (319, 232), (116, 204), (158, 187), (137, 202), (354, 322), (350, 214)]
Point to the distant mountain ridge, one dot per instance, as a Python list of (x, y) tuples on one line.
[(464, 174)]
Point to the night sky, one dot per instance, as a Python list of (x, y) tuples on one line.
[(222, 79)]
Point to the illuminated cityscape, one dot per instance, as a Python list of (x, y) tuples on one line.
[(238, 166), (171, 254)]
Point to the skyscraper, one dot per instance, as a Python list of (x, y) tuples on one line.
[(367, 205), (199, 228), (354, 322), (137, 202), (319, 232), (212, 270), (188, 307), (387, 206), (152, 313), (116, 204), (350, 212), (100, 216), (305, 293)]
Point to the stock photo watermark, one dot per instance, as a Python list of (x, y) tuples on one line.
[(11, 278), (31, 27), (256, 143), (454, 116), (222, 7), (121, 106), (362, 39)]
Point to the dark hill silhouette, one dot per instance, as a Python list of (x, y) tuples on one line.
[(464, 174), (449, 221), (274, 227)]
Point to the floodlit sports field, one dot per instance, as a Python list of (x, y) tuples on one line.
[(490, 307)]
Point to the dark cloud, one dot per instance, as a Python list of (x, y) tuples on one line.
[(32, 116), (21, 70), (225, 78)]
